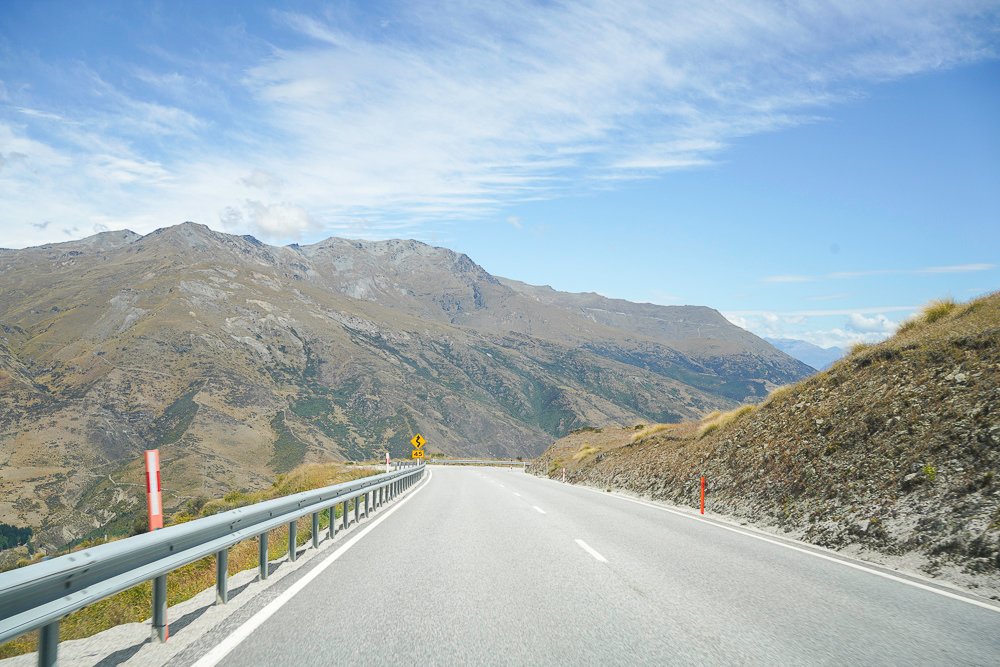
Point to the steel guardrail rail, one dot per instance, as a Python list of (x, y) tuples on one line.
[(36, 597)]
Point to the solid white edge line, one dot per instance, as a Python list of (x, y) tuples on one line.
[(590, 550), (538, 509), (808, 552), (223, 648)]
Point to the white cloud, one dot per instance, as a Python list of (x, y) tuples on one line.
[(863, 325), (271, 221), (822, 312), (494, 103), (959, 268), (879, 323), (262, 180), (515, 222)]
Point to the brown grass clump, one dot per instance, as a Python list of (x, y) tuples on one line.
[(718, 420), (778, 393), (584, 452), (134, 604), (652, 429), (936, 310), (858, 348)]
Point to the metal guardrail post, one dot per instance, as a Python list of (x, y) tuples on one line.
[(222, 577), (333, 521), (357, 509), (344, 516), (293, 547), (368, 503), (262, 554), (315, 530), (159, 633), (48, 644)]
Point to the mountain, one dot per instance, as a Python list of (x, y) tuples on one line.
[(240, 360), (818, 357), (893, 453)]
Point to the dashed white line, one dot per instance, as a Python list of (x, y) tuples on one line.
[(807, 552), (590, 550), (538, 509), (517, 494)]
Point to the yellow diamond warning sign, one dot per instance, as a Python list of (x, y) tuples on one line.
[(417, 442)]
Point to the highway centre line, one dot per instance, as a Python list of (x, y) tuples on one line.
[(538, 509), (226, 646), (590, 550), (808, 552)]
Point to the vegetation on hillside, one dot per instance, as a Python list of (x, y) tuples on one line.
[(13, 536)]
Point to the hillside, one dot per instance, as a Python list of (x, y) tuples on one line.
[(892, 454), (240, 360)]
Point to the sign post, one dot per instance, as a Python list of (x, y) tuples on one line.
[(418, 447)]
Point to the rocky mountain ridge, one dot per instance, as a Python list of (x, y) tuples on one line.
[(239, 360)]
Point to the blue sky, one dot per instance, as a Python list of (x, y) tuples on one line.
[(815, 171)]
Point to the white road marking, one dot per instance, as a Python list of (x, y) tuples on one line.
[(517, 494), (808, 552), (538, 509), (224, 647), (590, 550)]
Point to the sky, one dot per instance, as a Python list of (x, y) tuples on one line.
[(813, 170)]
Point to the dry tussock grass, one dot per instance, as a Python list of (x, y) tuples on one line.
[(652, 429), (717, 420)]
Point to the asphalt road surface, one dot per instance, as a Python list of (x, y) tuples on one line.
[(493, 566)]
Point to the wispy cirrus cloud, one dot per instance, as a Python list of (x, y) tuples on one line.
[(837, 275), (453, 113)]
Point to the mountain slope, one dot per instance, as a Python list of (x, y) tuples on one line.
[(239, 360), (893, 453)]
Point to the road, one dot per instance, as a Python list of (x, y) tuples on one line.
[(494, 566)]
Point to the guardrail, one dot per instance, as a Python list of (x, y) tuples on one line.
[(478, 462), (36, 597)]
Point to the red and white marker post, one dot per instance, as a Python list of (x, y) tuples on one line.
[(703, 495), (387, 462), (154, 501), (154, 496)]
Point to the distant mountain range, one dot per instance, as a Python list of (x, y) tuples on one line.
[(818, 357), (239, 360)]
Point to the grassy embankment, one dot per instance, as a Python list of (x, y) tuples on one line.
[(134, 604)]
